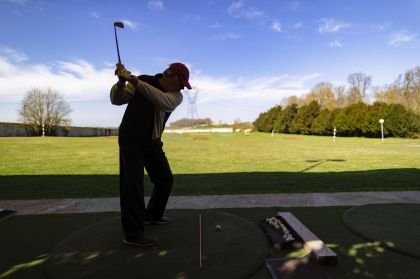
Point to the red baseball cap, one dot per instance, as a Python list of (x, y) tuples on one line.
[(182, 71)]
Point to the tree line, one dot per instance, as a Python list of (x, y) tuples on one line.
[(346, 109), (358, 119), (405, 90), (190, 122)]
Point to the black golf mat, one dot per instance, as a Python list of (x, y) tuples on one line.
[(303, 268), (236, 251), (5, 212), (395, 226), (27, 241)]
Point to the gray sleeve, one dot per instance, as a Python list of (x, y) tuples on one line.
[(120, 96), (163, 101)]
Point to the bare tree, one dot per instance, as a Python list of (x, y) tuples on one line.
[(340, 94), (405, 90), (410, 89), (388, 94), (359, 84), (294, 100), (323, 94), (44, 108)]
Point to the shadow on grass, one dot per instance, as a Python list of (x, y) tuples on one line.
[(85, 186)]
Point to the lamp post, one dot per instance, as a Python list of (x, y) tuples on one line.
[(382, 128)]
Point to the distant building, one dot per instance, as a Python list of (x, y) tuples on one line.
[(217, 123)]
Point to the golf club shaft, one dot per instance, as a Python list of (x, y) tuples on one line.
[(116, 41)]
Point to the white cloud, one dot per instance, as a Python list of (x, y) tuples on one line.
[(297, 25), (87, 87), (12, 54), (95, 14), (401, 37), (272, 88), (19, 2), (234, 7), (26, 5), (227, 99), (336, 43), (252, 13), (237, 9), (330, 25), (131, 24), (155, 5), (215, 26), (295, 5), (227, 36), (78, 80), (383, 26), (276, 26), (191, 17)]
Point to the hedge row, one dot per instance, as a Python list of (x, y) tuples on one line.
[(354, 120)]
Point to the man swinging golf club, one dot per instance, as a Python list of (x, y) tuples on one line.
[(151, 100)]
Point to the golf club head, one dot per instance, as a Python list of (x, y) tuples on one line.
[(119, 24)]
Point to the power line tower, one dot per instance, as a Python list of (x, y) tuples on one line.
[(192, 106)]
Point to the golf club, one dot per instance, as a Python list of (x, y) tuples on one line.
[(199, 236), (118, 24)]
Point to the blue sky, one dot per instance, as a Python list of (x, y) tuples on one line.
[(244, 56)]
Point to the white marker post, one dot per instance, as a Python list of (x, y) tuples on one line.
[(335, 131), (382, 128), (272, 133)]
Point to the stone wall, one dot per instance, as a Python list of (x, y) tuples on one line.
[(85, 132), (208, 130), (13, 130), (22, 130)]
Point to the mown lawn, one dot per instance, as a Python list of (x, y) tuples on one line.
[(59, 167)]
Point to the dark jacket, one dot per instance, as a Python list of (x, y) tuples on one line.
[(149, 107)]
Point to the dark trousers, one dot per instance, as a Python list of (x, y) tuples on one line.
[(133, 160)]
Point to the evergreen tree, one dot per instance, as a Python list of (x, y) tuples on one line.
[(304, 118), (351, 120), (400, 122), (287, 116), (260, 122), (322, 125), (375, 112), (265, 121)]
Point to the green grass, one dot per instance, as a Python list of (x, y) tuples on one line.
[(26, 242), (54, 167)]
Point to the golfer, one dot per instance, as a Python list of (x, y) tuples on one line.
[(150, 99)]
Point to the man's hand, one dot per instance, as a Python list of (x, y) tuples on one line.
[(124, 75), (119, 68)]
